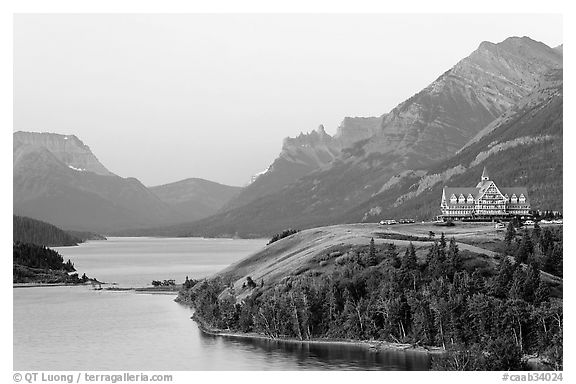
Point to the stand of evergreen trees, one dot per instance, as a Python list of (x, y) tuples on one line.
[(485, 320), (27, 230), (38, 264), (37, 256), (281, 235)]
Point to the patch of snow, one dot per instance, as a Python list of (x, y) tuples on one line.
[(76, 169), (258, 175)]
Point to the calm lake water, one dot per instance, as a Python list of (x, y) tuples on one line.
[(77, 328)]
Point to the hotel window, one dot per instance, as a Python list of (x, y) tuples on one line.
[(514, 199), (461, 199), (470, 199), (453, 199), (522, 198)]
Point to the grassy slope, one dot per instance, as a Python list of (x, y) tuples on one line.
[(315, 250)]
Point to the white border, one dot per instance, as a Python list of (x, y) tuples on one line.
[(296, 6)]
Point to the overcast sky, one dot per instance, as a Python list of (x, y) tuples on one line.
[(167, 97)]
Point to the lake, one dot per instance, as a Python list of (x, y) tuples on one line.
[(77, 328)]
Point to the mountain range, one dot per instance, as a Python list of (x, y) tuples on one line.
[(374, 174), (500, 107), (57, 179)]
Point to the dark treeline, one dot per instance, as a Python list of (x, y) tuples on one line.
[(38, 256), (486, 319), (27, 230), (281, 235)]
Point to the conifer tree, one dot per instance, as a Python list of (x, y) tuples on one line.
[(392, 255), (510, 233), (536, 232), (553, 262), (410, 262), (518, 282), (372, 258), (531, 282), (503, 279), (454, 258), (525, 249)]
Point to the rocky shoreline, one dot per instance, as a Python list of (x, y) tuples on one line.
[(374, 345)]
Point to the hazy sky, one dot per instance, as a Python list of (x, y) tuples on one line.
[(167, 97)]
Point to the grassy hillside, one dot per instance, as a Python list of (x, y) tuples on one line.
[(318, 249)]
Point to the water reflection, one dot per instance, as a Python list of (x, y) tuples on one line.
[(308, 356)]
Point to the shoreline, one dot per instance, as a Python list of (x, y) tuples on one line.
[(374, 345), (149, 290), (39, 285)]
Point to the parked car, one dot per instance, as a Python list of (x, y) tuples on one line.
[(529, 222), (499, 226), (388, 222)]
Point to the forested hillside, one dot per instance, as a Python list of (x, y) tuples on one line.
[(27, 230), (485, 317), (38, 264)]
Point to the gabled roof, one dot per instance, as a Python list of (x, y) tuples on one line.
[(457, 191), (484, 185), (516, 191)]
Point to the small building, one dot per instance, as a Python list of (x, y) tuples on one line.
[(485, 201)]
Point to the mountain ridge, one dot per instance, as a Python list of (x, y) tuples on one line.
[(57, 179), (69, 149), (427, 128)]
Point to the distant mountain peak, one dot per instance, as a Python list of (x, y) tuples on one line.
[(437, 121), (69, 149)]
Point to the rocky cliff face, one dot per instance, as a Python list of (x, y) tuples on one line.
[(67, 148), (355, 129), (439, 120), (549, 87), (315, 149), (305, 154)]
